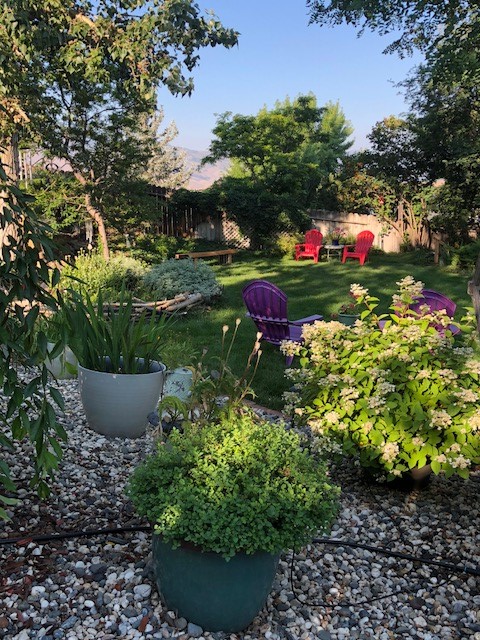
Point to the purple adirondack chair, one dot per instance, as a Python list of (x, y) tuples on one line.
[(436, 301), (267, 307)]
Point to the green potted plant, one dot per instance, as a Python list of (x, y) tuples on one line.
[(226, 494), (120, 375), (349, 312), (393, 389), (225, 500)]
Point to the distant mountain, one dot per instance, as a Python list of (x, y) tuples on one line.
[(203, 177)]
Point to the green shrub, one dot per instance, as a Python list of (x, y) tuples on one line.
[(237, 486), (284, 243), (464, 258), (109, 277), (153, 249), (173, 277)]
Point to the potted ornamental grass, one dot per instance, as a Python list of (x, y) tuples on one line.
[(226, 495), (397, 391), (120, 375)]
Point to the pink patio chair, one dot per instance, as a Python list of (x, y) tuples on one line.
[(311, 247), (267, 307), (360, 249)]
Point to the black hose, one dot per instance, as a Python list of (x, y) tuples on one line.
[(330, 541), (72, 534), (473, 571)]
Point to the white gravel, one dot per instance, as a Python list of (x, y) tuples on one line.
[(101, 587)]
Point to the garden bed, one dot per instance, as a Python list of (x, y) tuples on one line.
[(101, 586)]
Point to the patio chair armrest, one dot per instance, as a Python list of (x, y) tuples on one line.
[(349, 246), (307, 320), (300, 245)]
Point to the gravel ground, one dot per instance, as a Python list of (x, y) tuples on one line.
[(102, 587)]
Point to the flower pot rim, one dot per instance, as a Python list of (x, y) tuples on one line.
[(162, 370), (191, 546)]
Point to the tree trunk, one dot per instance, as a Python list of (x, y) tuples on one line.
[(97, 216), (10, 160)]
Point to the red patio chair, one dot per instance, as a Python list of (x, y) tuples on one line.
[(267, 307), (360, 249), (311, 247)]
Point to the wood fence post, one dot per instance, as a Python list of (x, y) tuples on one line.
[(473, 290)]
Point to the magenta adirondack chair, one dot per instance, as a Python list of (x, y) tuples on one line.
[(360, 249), (267, 307), (311, 247), (436, 301)]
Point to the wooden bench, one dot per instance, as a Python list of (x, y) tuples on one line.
[(225, 256)]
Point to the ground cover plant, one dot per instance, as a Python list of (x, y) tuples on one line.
[(310, 290)]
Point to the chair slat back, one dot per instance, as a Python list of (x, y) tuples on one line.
[(314, 237), (267, 306), (364, 241), (448, 304)]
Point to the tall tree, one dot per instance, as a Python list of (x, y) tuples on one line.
[(167, 165), (444, 95), (76, 75), (424, 24), (280, 157)]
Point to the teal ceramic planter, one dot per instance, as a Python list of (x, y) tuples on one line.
[(206, 589), (348, 319)]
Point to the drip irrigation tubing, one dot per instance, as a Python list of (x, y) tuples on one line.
[(456, 568)]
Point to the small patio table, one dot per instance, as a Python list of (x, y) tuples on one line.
[(332, 248)]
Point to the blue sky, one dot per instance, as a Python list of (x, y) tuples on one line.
[(280, 55)]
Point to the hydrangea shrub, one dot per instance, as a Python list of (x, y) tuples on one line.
[(396, 389)]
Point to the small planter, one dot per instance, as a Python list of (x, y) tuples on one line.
[(348, 319), (117, 404), (416, 478), (178, 383), (335, 243), (216, 594), (62, 366)]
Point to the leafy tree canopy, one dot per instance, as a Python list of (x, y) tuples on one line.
[(78, 76), (279, 159), (423, 24)]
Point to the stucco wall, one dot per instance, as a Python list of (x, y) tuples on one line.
[(353, 223)]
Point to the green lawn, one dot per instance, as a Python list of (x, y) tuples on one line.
[(311, 288)]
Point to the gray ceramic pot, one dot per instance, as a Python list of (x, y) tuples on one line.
[(117, 404), (58, 365)]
